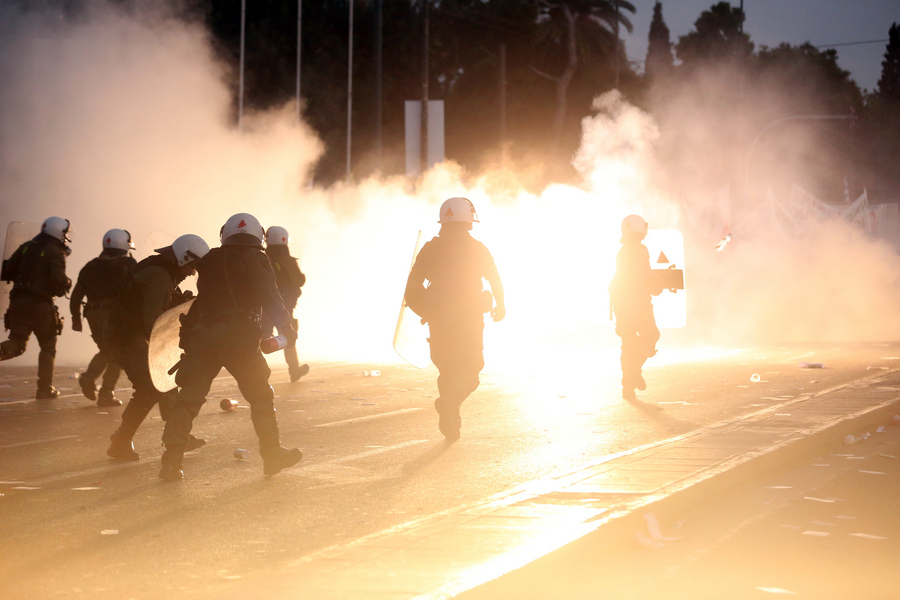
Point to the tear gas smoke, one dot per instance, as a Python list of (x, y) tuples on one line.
[(124, 120)]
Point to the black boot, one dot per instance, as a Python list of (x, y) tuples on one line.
[(449, 420), (194, 443), (46, 393), (107, 397), (298, 371), (279, 458), (171, 464), (88, 387), (121, 448), (45, 389)]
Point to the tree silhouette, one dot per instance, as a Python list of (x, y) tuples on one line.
[(659, 50), (576, 30), (889, 83), (717, 36)]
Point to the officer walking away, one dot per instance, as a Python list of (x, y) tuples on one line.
[(453, 304), (235, 284), (289, 279), (152, 290), (101, 281), (37, 270), (629, 296)]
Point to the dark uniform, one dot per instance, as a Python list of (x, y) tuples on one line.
[(37, 270), (629, 294), (288, 279), (152, 290), (454, 305), (101, 280), (235, 283)]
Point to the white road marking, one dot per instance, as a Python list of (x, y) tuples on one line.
[(368, 418), (35, 442), (373, 452)]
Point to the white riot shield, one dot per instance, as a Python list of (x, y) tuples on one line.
[(164, 352), (411, 335), (666, 247), (17, 233)]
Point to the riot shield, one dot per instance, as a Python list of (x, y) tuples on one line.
[(17, 233), (411, 335), (666, 248), (164, 352)]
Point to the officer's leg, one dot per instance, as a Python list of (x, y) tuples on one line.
[(18, 322), (295, 369), (107, 394), (461, 354), (630, 359), (87, 379), (648, 333), (199, 366), (46, 329), (133, 358), (12, 347), (15, 345), (252, 375), (456, 350)]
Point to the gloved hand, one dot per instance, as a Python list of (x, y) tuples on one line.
[(498, 313), (76, 323), (290, 335)]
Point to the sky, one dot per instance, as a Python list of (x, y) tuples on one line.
[(771, 22)]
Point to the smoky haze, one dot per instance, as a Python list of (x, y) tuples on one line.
[(125, 119)]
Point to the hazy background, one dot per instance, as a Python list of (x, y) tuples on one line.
[(125, 120)]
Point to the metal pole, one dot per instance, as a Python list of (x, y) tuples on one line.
[(349, 88), (241, 77), (299, 39), (503, 100), (425, 75), (617, 44), (379, 110)]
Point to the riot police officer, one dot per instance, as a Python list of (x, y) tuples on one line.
[(152, 290), (453, 305), (37, 270), (289, 279), (235, 283), (101, 281), (630, 294)]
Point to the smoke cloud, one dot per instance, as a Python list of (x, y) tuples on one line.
[(125, 119)]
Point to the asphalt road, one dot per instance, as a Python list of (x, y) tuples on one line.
[(821, 525), (78, 525)]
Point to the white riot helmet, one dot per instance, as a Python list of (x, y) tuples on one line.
[(57, 227), (117, 239), (277, 236), (189, 248), (458, 210), (634, 224), (242, 224)]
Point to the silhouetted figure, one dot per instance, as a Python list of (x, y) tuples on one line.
[(453, 305), (289, 279), (235, 284), (630, 299), (37, 270), (151, 291), (101, 281)]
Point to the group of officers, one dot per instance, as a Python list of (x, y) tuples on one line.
[(248, 287), (243, 289)]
